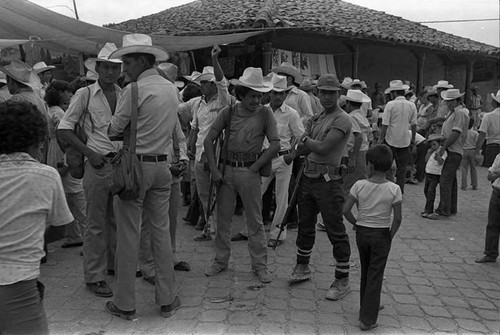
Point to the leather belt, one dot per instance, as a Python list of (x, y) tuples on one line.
[(284, 152), (239, 163), (152, 158)]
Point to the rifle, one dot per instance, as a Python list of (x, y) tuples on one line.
[(291, 202)]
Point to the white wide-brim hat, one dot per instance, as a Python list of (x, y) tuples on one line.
[(346, 83), (451, 94), (397, 85), (91, 76), (3, 78), (253, 79), (496, 97), (21, 72), (103, 56), (443, 84), (355, 82), (290, 70), (193, 75), (206, 75), (42, 67), (357, 96), (139, 43), (279, 82)]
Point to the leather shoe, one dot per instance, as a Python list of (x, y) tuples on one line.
[(202, 237), (239, 237), (127, 315), (100, 289), (273, 243), (182, 266), (168, 310), (486, 259), (66, 245)]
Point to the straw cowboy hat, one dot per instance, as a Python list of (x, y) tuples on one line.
[(103, 56), (253, 79), (397, 85), (363, 84), (346, 83), (3, 78), (91, 76), (290, 70), (355, 82), (279, 83), (443, 84), (328, 82), (206, 75), (139, 43), (496, 97), (42, 67), (21, 72), (307, 85), (356, 96), (451, 94), (169, 72), (435, 137), (193, 75)]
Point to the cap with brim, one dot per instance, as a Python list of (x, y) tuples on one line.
[(139, 43), (496, 97), (357, 96), (21, 72), (451, 94), (103, 56), (328, 82), (41, 67), (253, 79), (435, 137), (397, 85), (279, 83), (290, 70)]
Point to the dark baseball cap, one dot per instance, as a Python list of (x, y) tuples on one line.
[(328, 82)]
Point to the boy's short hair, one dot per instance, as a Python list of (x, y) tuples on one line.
[(380, 156)]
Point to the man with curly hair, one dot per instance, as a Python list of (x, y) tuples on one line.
[(32, 199)]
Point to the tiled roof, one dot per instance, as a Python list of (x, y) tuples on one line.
[(335, 17)]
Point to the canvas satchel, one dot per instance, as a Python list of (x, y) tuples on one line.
[(126, 172)]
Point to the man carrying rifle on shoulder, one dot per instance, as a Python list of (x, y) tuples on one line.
[(320, 186)]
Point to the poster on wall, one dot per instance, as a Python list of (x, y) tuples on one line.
[(309, 65)]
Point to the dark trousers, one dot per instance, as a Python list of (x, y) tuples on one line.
[(317, 195), (420, 161), (493, 227), (401, 155), (448, 185), (21, 308), (431, 183), (374, 245), (492, 150)]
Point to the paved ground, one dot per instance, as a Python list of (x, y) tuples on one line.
[(432, 285)]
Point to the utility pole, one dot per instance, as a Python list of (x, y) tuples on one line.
[(76, 11)]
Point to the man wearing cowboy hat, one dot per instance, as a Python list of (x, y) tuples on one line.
[(399, 116), (297, 99), (203, 111), (249, 123), (320, 188), (455, 131), (44, 71), (490, 130), (156, 118), (441, 86), (475, 104), (308, 87), (96, 104), (289, 127), (366, 106)]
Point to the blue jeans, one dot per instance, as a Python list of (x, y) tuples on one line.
[(316, 195), (374, 245), (448, 185), (493, 227), (431, 183), (21, 308)]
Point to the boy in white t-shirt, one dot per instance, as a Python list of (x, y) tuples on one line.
[(376, 199), (433, 169)]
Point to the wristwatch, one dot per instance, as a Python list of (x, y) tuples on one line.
[(304, 139)]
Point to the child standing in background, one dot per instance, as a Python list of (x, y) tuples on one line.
[(376, 199), (432, 172), (468, 159)]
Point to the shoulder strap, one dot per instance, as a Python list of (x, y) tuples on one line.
[(130, 134), (86, 111)]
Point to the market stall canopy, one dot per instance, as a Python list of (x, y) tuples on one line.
[(9, 43), (21, 19)]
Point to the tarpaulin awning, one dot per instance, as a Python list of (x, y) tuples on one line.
[(8, 43), (21, 19)]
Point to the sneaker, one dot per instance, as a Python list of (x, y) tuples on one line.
[(364, 326), (168, 310), (486, 259), (111, 308), (437, 216), (100, 289), (338, 289), (300, 273), (424, 214), (320, 226), (264, 275), (213, 270)]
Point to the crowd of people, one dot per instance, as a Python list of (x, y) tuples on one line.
[(220, 144)]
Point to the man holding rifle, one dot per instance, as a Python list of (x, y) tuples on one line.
[(320, 186)]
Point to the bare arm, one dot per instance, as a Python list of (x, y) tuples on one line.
[(218, 73), (449, 141), (480, 141), (331, 140), (492, 176), (348, 210), (398, 218), (68, 136)]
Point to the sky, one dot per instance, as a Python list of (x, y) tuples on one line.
[(101, 12)]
